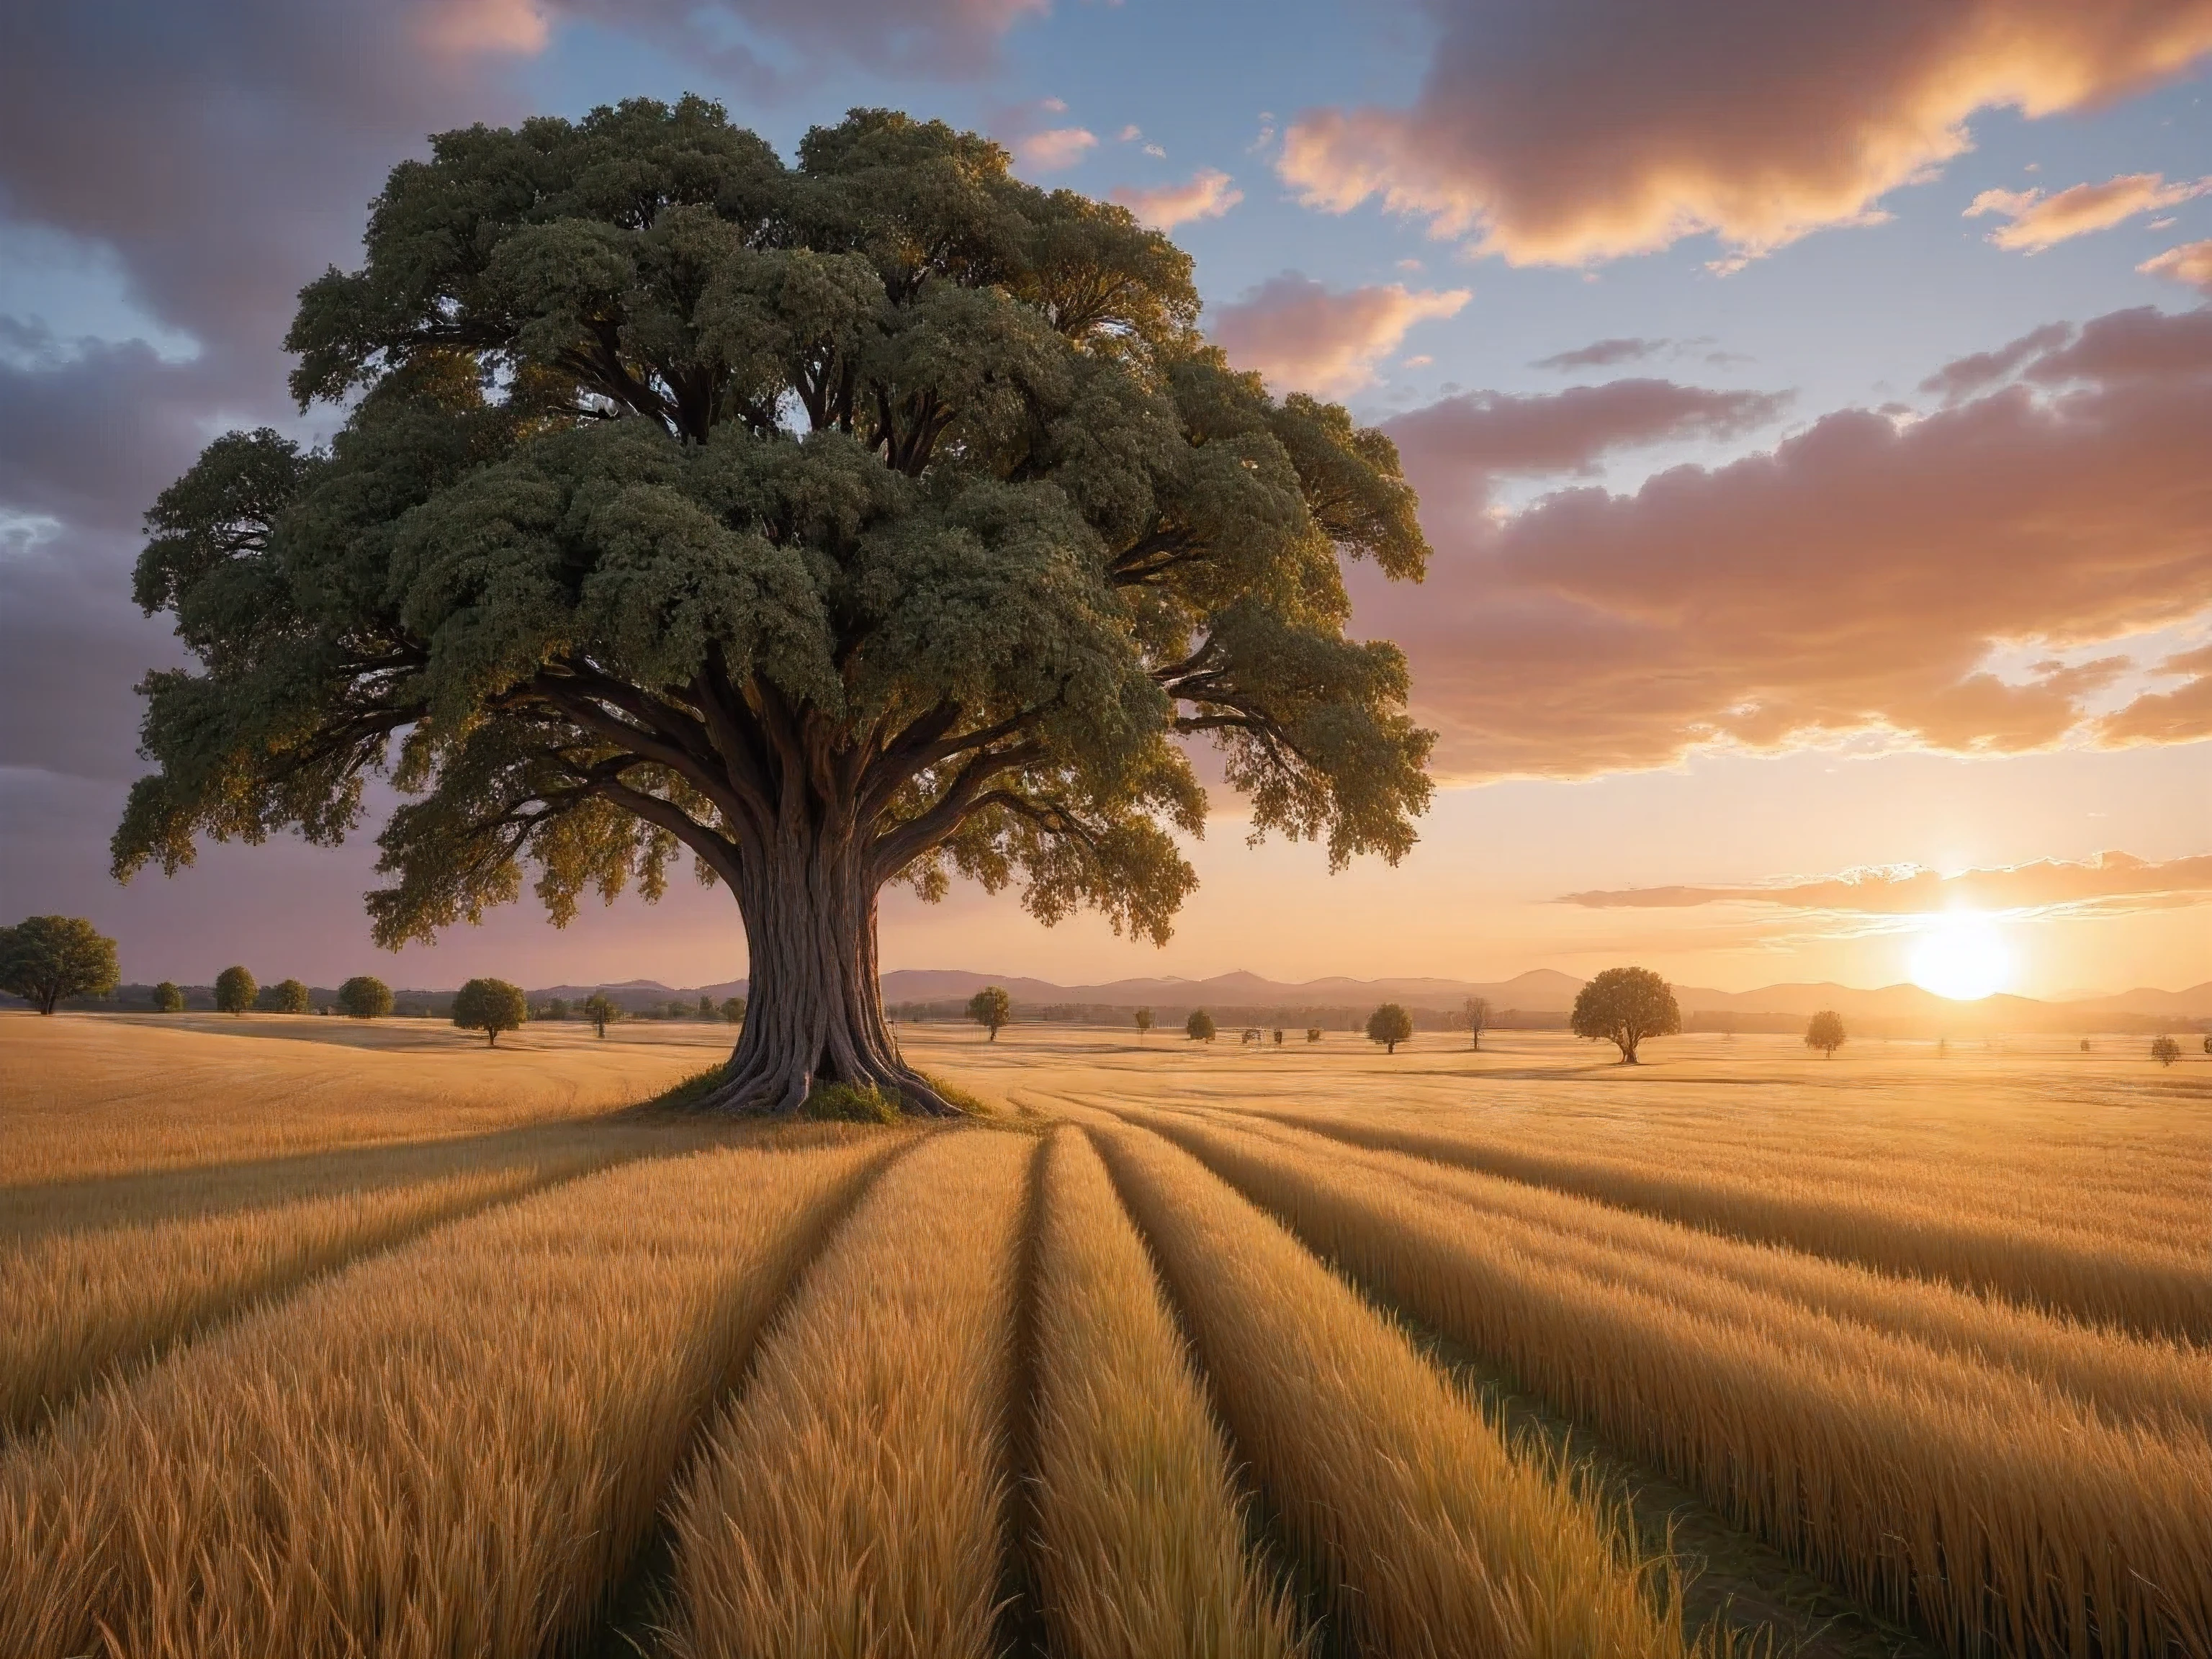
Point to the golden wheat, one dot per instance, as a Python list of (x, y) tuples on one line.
[(453, 1449), (2124, 1376), (77, 1306), (851, 1501), (1141, 1546), (94, 1095), (2148, 1289), (1446, 1542), (2005, 1519)]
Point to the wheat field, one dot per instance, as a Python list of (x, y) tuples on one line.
[(318, 1339)]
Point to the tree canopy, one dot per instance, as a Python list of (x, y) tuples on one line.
[(1623, 1006), (287, 996), (990, 1007), (873, 517), (43, 959), (1389, 1025), (1825, 1031), (602, 1010), (365, 997), (1199, 1028), (489, 1006), (234, 991)]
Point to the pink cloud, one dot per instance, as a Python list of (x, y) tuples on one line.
[(1304, 338), (1855, 580), (1207, 195), (2036, 221), (2191, 263), (1913, 890), (1562, 133), (1054, 149)]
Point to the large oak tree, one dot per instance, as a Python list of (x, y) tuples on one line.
[(877, 518)]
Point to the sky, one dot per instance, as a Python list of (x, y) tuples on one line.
[(1811, 409)]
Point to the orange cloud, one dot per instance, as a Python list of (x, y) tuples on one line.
[(1305, 338), (1565, 134), (2191, 263), (1208, 195), (1911, 890), (461, 27), (1858, 580), (2037, 222), (1054, 147)]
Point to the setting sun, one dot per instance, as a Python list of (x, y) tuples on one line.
[(1961, 955)]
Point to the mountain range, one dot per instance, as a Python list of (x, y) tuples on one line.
[(1541, 991)]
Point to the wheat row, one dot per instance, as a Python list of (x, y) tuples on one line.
[(2002, 1516), (2144, 1288)]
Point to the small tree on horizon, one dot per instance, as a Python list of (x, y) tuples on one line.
[(169, 999), (1476, 1012), (1199, 1028), (556, 1008), (602, 1010), (1313, 1034), (1389, 1025), (234, 990), (489, 1006), (733, 1010), (287, 996), (1825, 1032), (1144, 1023), (364, 997), (2165, 1050), (1624, 1007), (43, 959), (991, 1008)]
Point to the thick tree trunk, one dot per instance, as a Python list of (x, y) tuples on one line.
[(814, 1014)]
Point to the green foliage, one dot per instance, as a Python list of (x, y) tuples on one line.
[(489, 1006), (667, 462), (557, 1007), (1199, 1028), (364, 997), (234, 991), (1389, 1025), (842, 1102), (1144, 1021), (2165, 1050), (1475, 1011), (286, 996), (43, 959), (733, 1010), (168, 998), (959, 1098), (1825, 1032), (990, 1007), (1624, 1005), (602, 1010)]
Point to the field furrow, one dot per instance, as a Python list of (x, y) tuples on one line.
[(1443, 1541), (2127, 1378), (1140, 1548), (852, 1500), (78, 1306), (2002, 1519), (2146, 1289), (452, 1449)]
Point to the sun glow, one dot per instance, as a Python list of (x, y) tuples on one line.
[(1962, 955)]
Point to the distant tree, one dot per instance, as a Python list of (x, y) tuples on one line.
[(556, 1008), (1278, 1037), (990, 1007), (602, 1010), (1389, 1025), (1623, 1006), (2208, 1042), (364, 997), (489, 1006), (677, 1011), (2085, 1045), (2165, 1050), (287, 996), (1943, 1048), (706, 1008), (1825, 1032), (1476, 1012), (1144, 1022), (1313, 1034), (167, 999), (1200, 1026), (234, 991), (733, 1010), (45, 959)]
